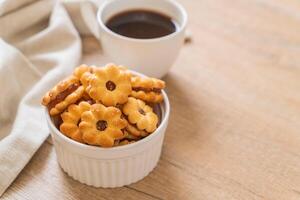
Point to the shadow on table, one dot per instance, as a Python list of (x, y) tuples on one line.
[(184, 122)]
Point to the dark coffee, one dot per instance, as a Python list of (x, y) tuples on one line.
[(141, 24)]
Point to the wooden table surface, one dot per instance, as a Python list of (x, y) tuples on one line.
[(234, 130)]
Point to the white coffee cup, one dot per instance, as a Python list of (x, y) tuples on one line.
[(152, 57)]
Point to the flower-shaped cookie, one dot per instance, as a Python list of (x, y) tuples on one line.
[(110, 85), (133, 130), (140, 114), (102, 125), (147, 89), (84, 73), (71, 119), (147, 83), (62, 95), (81, 69), (129, 136)]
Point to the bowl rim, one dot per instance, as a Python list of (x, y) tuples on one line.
[(165, 117)]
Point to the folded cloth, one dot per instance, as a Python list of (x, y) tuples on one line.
[(39, 45)]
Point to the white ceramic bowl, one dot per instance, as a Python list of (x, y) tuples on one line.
[(110, 167)]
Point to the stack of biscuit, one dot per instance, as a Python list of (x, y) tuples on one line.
[(105, 106)]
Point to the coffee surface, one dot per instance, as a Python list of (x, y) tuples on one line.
[(141, 24)]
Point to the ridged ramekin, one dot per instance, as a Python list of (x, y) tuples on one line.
[(110, 167)]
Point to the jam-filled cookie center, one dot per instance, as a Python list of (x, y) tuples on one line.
[(101, 125), (61, 96), (142, 111), (111, 86), (155, 90)]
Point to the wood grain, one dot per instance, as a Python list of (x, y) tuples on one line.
[(235, 121)]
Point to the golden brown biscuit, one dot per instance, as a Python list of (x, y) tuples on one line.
[(129, 136), (140, 114), (62, 95), (121, 67), (85, 119), (85, 79), (110, 85), (102, 125), (87, 98), (151, 97), (133, 130), (80, 70), (84, 73), (147, 89), (147, 83), (71, 119)]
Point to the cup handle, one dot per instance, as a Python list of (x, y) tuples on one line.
[(88, 12)]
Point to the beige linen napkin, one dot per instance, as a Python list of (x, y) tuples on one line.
[(39, 45)]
